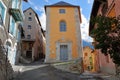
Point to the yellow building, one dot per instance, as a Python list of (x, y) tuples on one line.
[(90, 59), (63, 37)]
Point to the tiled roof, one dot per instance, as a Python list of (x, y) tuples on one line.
[(62, 3)]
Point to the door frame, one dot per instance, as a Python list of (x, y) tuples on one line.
[(69, 44), (64, 54)]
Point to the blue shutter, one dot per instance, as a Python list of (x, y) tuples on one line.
[(62, 26), (14, 3), (12, 25), (2, 9), (18, 37), (14, 32), (10, 29)]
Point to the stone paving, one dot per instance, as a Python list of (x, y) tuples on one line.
[(98, 76), (45, 72), (48, 72)]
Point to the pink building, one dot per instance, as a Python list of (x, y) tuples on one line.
[(108, 8)]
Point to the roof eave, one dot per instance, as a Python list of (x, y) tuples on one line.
[(95, 7), (67, 6)]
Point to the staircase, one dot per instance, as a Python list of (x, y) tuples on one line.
[(6, 71)]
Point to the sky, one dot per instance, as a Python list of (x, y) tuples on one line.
[(85, 8)]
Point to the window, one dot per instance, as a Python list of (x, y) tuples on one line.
[(28, 36), (29, 18), (62, 26), (12, 26), (30, 13), (62, 11), (104, 8), (2, 12), (86, 54), (29, 26), (15, 3), (15, 31)]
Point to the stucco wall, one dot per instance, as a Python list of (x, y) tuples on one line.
[(106, 64), (117, 8), (53, 31)]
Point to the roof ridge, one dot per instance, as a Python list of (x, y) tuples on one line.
[(62, 3)]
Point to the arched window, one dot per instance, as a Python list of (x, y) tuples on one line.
[(62, 26)]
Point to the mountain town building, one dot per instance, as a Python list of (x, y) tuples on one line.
[(63, 35), (108, 8), (33, 42)]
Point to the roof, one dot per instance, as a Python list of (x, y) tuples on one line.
[(94, 11), (64, 4), (61, 4)]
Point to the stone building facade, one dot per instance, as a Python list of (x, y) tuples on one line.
[(6, 71), (9, 36), (10, 28), (90, 59), (33, 44)]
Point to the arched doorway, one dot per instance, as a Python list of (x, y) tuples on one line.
[(8, 50)]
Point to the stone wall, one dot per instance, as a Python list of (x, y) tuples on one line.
[(6, 71)]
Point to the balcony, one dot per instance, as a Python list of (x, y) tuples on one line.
[(16, 14), (28, 40)]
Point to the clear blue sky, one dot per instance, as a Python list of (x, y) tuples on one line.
[(85, 5)]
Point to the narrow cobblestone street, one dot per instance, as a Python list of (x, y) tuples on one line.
[(47, 72), (44, 72)]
